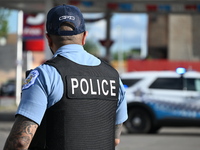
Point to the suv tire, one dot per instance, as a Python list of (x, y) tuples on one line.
[(138, 121)]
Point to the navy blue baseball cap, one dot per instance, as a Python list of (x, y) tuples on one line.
[(65, 13)]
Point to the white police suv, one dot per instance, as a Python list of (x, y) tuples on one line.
[(161, 98)]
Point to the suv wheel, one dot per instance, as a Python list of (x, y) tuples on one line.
[(138, 121)]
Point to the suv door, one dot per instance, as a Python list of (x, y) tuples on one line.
[(174, 97), (192, 86)]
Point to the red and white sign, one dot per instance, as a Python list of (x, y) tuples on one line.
[(33, 32), (106, 43)]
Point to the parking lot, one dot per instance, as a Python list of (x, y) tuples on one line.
[(166, 139)]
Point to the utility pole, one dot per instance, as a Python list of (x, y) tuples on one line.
[(19, 58)]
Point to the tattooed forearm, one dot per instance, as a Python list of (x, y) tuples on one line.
[(21, 134)]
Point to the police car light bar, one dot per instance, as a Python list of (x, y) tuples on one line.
[(180, 70)]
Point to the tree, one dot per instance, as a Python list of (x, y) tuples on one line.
[(92, 47), (4, 13), (133, 53)]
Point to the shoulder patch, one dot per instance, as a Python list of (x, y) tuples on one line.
[(30, 80)]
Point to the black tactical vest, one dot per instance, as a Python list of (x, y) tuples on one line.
[(84, 118)]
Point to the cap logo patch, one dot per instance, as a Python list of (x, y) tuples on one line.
[(67, 17), (65, 14), (30, 80)]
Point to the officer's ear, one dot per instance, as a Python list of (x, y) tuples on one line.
[(50, 43), (84, 37)]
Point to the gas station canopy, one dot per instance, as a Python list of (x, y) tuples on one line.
[(155, 6)]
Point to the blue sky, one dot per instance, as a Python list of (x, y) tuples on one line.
[(127, 30), (13, 21)]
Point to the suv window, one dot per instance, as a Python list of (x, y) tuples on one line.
[(129, 82), (167, 83), (192, 84)]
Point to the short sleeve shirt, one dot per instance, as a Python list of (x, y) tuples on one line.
[(44, 87)]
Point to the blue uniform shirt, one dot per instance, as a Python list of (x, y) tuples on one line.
[(44, 86)]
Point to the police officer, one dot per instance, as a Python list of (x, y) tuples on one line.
[(73, 101)]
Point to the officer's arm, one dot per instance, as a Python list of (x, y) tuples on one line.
[(118, 130), (21, 134)]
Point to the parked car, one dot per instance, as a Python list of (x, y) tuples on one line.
[(161, 98), (8, 88)]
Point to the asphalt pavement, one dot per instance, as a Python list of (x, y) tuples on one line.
[(6, 122), (166, 139), (7, 117)]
